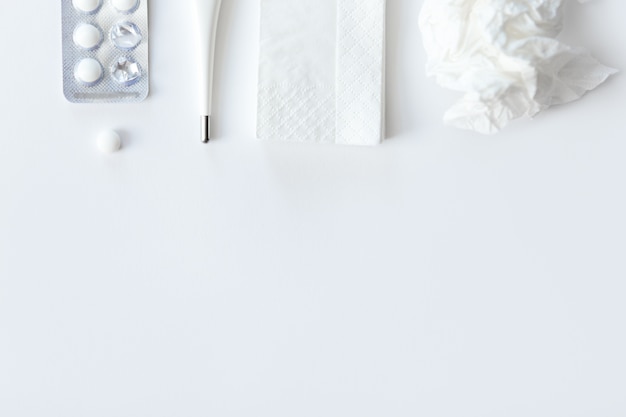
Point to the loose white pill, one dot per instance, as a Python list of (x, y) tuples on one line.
[(87, 6), (88, 71), (125, 6), (109, 141), (87, 36)]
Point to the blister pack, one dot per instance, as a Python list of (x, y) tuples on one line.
[(105, 50)]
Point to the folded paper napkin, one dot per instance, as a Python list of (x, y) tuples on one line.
[(322, 71)]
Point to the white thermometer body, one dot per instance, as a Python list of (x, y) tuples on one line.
[(207, 16)]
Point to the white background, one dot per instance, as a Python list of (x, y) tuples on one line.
[(443, 274)]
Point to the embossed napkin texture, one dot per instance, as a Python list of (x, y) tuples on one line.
[(322, 71)]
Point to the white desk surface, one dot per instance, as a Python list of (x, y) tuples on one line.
[(443, 274)]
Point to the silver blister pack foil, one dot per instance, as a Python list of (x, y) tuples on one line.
[(105, 50)]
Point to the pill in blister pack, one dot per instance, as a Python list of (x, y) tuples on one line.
[(105, 50)]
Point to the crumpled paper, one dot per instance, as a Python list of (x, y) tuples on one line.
[(504, 56)]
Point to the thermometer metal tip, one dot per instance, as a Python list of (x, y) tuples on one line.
[(206, 129)]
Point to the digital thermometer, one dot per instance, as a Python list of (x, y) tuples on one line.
[(207, 16)]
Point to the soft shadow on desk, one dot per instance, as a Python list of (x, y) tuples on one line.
[(128, 141), (224, 35), (581, 29), (400, 47)]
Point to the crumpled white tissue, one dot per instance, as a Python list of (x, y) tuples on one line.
[(503, 55)]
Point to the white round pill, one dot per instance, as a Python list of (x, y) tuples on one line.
[(87, 6), (87, 36), (88, 71), (125, 6), (109, 141)]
